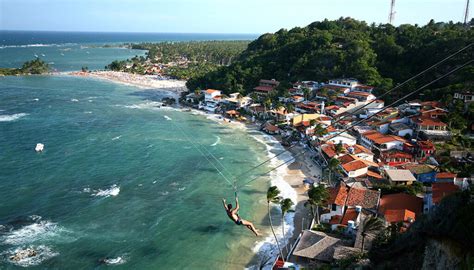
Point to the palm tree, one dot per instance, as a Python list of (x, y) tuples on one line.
[(285, 206), (333, 166), (273, 197), (316, 198), (319, 130), (290, 107), (306, 93), (338, 148), (370, 225)]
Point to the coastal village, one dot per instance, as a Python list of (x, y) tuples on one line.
[(380, 165)]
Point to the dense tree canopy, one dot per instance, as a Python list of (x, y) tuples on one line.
[(378, 55), (36, 66)]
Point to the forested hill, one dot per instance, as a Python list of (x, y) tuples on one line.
[(378, 55)]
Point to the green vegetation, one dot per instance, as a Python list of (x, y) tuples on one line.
[(36, 66), (413, 189), (378, 55), (181, 60)]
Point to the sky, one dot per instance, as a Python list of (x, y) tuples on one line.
[(212, 16)]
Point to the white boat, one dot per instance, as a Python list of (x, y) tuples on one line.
[(39, 147)]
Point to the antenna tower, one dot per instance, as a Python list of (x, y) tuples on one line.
[(466, 13), (391, 16)]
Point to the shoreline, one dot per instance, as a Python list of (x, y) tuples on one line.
[(289, 180), (136, 80)]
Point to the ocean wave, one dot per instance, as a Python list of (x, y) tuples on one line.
[(144, 105), (167, 118), (115, 261), (114, 190), (116, 138), (37, 231), (217, 141), (13, 117), (74, 100), (29, 256), (267, 250)]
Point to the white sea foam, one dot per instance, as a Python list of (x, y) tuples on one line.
[(74, 100), (88, 112), (114, 190), (167, 118), (144, 105), (217, 141), (30, 233), (116, 138), (12, 117), (43, 253), (164, 193), (36, 99), (267, 249), (115, 261), (181, 188)]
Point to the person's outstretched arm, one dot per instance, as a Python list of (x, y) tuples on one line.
[(237, 206), (225, 205)]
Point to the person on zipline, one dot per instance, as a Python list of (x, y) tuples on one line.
[(234, 216)]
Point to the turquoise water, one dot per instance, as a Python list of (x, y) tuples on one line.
[(66, 57), (118, 180)]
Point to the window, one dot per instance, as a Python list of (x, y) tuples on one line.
[(333, 207)]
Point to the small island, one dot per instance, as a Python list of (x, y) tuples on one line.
[(36, 66)]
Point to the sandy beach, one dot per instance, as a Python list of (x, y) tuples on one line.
[(141, 81)]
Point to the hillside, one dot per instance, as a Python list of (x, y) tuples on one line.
[(440, 240), (378, 55)]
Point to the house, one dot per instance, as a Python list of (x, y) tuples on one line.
[(297, 99), (446, 177), (400, 177), (363, 88), (430, 129), (422, 172), (270, 128), (320, 248), (352, 166), (344, 196), (400, 207), (349, 83), (441, 190), (360, 152), (371, 109), (236, 101), (361, 96), (466, 97), (308, 107), (265, 87), (375, 140), (335, 137), (433, 113), (400, 129), (211, 94), (396, 157), (437, 192)]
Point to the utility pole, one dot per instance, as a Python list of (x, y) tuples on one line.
[(391, 15), (466, 13)]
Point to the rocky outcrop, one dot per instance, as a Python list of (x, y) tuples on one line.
[(441, 255)]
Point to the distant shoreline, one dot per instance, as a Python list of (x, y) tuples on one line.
[(140, 81)]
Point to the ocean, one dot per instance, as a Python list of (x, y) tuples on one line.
[(122, 181)]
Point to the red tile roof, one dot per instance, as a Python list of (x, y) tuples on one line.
[(354, 165), (363, 197), (398, 215), (338, 195), (210, 91), (401, 201), (374, 174), (357, 93), (441, 190), (346, 159), (264, 88), (426, 121), (350, 214), (446, 175)]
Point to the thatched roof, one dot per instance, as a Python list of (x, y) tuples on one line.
[(316, 245)]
